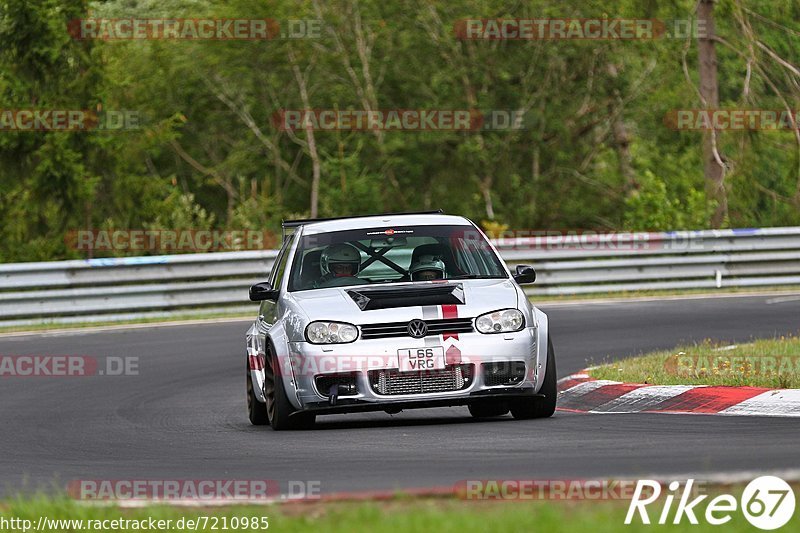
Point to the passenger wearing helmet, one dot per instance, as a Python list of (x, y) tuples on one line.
[(427, 268), (339, 261)]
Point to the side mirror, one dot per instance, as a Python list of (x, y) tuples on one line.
[(263, 291), (525, 274)]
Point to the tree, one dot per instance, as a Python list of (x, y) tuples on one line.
[(713, 162)]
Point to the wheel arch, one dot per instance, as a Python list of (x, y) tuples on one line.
[(542, 340), (276, 343)]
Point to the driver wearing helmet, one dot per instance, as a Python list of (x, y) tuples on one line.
[(339, 261), (427, 268)]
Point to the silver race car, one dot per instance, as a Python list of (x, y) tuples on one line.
[(392, 312)]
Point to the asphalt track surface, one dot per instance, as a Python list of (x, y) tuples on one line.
[(183, 416)]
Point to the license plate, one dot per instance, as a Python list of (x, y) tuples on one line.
[(416, 359)]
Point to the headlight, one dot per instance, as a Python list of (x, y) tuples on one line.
[(330, 332), (500, 321)]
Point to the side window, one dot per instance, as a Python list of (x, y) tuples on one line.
[(278, 269), (477, 257)]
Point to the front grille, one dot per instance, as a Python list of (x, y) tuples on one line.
[(393, 382), (503, 373), (400, 329)]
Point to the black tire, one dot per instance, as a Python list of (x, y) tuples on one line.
[(279, 409), (488, 409), (256, 411), (529, 408)]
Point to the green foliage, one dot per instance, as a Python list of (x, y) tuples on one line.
[(595, 152), (653, 207), (180, 211)]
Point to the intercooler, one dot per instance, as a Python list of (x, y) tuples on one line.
[(393, 382)]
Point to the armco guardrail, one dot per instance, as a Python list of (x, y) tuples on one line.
[(88, 290), (652, 261), (128, 287)]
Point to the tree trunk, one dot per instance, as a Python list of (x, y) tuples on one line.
[(620, 135), (311, 140), (486, 192), (713, 164), (367, 93), (315, 170), (622, 143)]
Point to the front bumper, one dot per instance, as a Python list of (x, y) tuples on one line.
[(360, 358), (356, 405)]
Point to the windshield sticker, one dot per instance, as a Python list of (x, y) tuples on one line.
[(390, 231)]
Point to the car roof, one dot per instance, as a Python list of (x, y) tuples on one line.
[(383, 221)]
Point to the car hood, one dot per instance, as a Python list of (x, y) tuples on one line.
[(407, 301)]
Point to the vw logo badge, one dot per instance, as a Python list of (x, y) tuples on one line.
[(417, 328)]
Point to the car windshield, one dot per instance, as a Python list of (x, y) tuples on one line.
[(392, 255)]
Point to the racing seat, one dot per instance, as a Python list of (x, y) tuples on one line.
[(310, 270), (436, 249)]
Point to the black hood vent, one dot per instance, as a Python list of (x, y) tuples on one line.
[(408, 296)]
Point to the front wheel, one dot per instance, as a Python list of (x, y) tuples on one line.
[(537, 407), (279, 409)]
